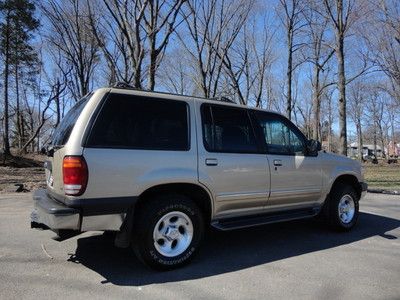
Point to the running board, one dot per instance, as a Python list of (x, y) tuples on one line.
[(256, 220)]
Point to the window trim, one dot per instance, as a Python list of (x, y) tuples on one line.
[(106, 98), (285, 121), (204, 106)]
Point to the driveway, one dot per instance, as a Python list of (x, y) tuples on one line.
[(298, 259)]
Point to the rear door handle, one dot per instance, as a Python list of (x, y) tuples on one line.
[(277, 162), (211, 162)]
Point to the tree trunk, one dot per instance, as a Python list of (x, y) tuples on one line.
[(316, 104), (6, 139), (57, 101), (375, 139), (342, 95), (359, 140), (152, 66), (330, 121), (18, 108), (289, 76)]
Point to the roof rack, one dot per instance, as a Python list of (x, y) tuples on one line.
[(124, 85), (224, 99)]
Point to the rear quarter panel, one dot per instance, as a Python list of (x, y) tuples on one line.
[(74, 143)]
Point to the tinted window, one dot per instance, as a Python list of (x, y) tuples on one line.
[(227, 129), (280, 137), (63, 130), (141, 123)]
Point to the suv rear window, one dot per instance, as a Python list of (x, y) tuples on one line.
[(134, 122), (63, 130)]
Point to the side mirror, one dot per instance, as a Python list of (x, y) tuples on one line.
[(313, 147)]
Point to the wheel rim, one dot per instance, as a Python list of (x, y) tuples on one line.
[(346, 209), (173, 234)]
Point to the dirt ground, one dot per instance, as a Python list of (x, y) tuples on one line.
[(27, 170)]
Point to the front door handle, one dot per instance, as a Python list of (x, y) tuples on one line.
[(211, 162), (277, 162)]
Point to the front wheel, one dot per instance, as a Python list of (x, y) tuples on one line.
[(343, 207), (167, 231)]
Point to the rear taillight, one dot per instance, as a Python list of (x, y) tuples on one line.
[(75, 175)]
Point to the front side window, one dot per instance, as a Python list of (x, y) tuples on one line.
[(280, 138), (227, 129), (135, 122)]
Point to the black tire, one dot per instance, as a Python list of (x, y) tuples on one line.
[(346, 193), (149, 213)]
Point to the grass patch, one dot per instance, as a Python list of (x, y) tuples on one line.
[(382, 176)]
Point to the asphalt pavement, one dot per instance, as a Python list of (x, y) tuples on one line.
[(294, 260)]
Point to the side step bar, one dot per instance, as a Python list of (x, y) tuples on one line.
[(249, 221)]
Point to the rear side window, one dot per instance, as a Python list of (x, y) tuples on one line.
[(227, 129), (133, 122), (63, 130)]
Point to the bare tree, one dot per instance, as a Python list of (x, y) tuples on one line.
[(357, 105), (247, 62), (144, 28), (292, 19), (213, 27), (120, 61), (56, 91), (318, 53), (71, 34), (376, 115), (384, 41), (341, 14), (17, 23), (175, 72)]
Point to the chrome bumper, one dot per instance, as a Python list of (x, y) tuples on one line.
[(49, 213)]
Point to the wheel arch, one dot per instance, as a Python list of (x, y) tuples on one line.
[(349, 179), (200, 195)]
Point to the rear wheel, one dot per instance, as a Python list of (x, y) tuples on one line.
[(342, 207), (167, 232)]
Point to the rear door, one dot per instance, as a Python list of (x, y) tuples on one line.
[(231, 162), (296, 178)]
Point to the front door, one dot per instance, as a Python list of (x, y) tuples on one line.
[(296, 178), (231, 162)]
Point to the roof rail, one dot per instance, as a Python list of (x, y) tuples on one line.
[(224, 99), (124, 85)]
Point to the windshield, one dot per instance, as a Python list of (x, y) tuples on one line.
[(63, 130)]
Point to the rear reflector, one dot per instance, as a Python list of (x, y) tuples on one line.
[(75, 175)]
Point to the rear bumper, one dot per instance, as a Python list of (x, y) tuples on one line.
[(53, 214), (81, 215)]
